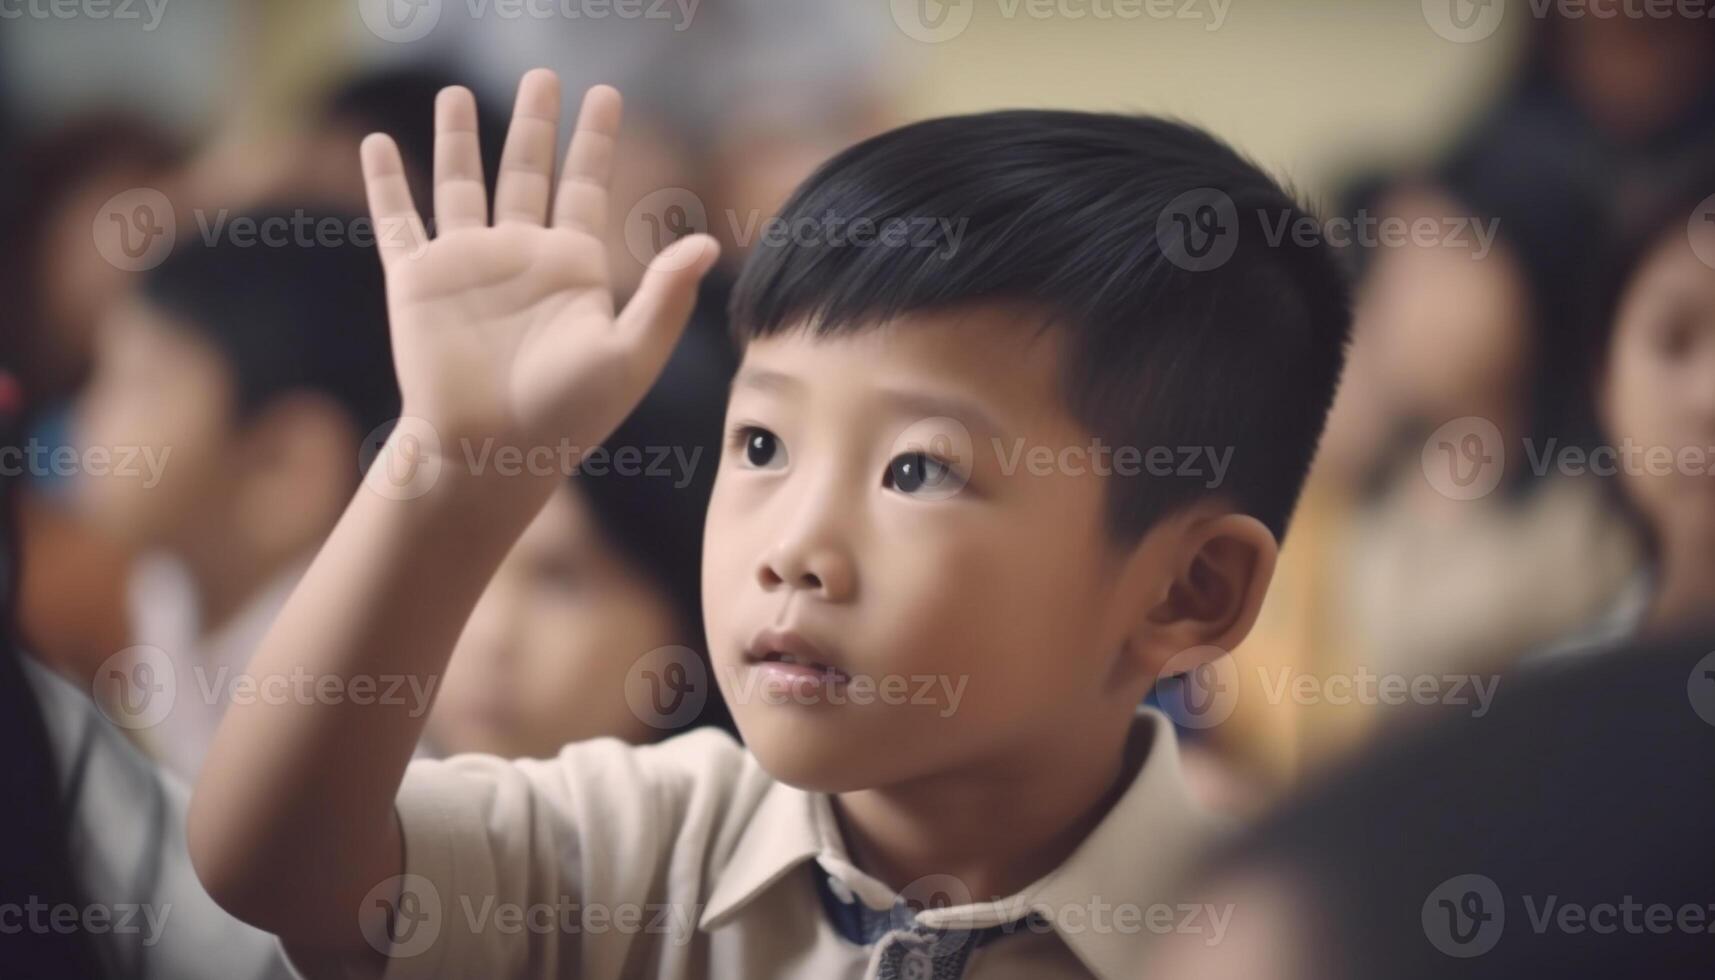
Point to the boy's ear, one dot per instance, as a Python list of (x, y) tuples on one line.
[(1215, 570)]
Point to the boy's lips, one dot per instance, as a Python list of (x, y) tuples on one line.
[(790, 654)]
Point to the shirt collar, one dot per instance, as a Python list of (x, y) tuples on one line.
[(1142, 845)]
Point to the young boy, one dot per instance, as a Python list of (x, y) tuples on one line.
[(934, 643)]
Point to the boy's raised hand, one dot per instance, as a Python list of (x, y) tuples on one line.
[(502, 331), (507, 330)]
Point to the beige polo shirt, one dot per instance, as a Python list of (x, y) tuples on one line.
[(686, 859)]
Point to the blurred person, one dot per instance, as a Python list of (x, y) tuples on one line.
[(56, 279), (239, 379), (58, 284), (1401, 566), (1651, 372), (1463, 562), (95, 876), (1603, 90), (1604, 93), (605, 574), (1564, 833)]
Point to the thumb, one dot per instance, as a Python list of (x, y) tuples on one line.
[(652, 322)]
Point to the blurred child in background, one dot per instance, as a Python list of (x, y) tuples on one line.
[(1463, 570), (92, 826), (1652, 376), (605, 574), (58, 285), (1395, 569), (243, 378)]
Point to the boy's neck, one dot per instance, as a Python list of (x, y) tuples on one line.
[(995, 829)]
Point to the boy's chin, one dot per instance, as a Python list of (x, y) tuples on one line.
[(817, 758)]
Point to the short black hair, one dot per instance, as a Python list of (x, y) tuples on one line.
[(307, 313), (1105, 222)]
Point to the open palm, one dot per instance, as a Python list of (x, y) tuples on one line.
[(507, 330)]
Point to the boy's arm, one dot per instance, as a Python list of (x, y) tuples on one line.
[(504, 336)]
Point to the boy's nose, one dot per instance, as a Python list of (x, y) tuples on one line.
[(820, 570)]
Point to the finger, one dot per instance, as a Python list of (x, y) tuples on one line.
[(460, 198), (398, 227), (527, 164), (581, 200), (656, 315)]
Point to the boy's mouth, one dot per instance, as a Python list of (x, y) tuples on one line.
[(792, 655)]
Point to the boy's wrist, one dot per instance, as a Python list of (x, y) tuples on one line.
[(415, 464)]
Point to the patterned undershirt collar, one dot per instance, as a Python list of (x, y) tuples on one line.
[(908, 951)]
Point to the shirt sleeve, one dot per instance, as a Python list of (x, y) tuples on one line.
[(578, 866)]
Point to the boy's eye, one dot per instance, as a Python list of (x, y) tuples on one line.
[(923, 475), (761, 447)]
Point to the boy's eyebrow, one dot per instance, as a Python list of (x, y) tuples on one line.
[(928, 404), (763, 379), (903, 401)]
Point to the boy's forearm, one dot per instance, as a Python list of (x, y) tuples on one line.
[(293, 821)]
